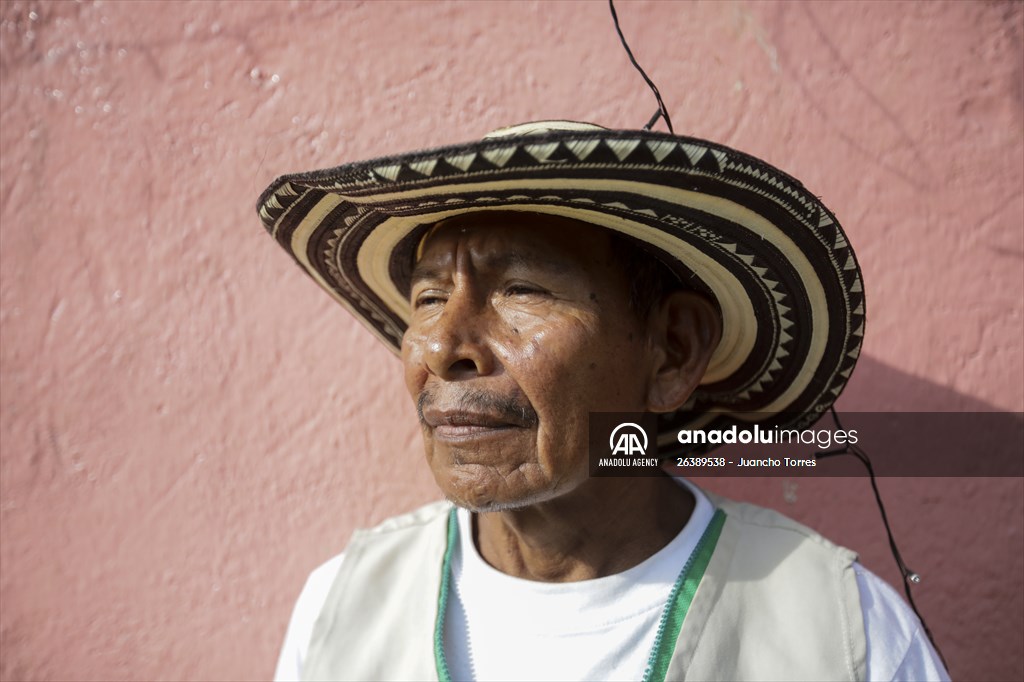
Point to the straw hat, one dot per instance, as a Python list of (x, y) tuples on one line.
[(772, 256)]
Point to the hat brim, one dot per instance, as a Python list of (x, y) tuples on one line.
[(775, 259)]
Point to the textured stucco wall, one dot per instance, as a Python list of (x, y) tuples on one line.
[(189, 425)]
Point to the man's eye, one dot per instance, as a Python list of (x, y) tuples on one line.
[(524, 290), (428, 299)]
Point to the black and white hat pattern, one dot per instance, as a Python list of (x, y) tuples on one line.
[(775, 259)]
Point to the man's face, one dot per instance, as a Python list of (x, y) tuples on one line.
[(520, 327)]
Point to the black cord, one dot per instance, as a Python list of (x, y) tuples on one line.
[(662, 110), (654, 119), (909, 576)]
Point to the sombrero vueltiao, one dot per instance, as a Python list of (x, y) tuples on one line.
[(775, 259)]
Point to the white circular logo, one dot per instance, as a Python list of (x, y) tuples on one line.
[(629, 442)]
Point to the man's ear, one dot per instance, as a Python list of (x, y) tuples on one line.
[(684, 329)]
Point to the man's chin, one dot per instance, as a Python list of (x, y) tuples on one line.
[(483, 489)]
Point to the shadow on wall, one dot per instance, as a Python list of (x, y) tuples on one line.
[(971, 527), (914, 427), (963, 533), (878, 387)]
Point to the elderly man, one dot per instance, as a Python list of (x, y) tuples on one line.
[(529, 280)]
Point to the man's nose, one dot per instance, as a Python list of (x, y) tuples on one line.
[(457, 345)]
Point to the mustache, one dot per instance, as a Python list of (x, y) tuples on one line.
[(513, 409)]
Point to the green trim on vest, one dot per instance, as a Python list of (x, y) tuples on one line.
[(443, 675), (672, 617), (680, 598)]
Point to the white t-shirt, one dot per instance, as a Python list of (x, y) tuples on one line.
[(498, 627)]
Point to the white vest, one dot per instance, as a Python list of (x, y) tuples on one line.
[(776, 602)]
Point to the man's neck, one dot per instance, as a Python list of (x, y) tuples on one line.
[(604, 527)]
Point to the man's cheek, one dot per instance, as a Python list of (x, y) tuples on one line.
[(412, 363)]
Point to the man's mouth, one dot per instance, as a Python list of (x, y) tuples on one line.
[(456, 425), (470, 415)]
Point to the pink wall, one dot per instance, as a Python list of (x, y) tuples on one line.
[(189, 425)]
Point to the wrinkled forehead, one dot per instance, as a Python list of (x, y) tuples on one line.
[(515, 237)]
